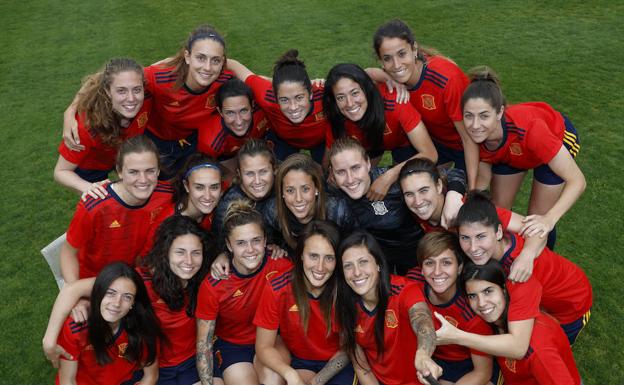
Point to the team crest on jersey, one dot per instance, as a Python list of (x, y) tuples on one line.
[(114, 225), (142, 119), (154, 213), (379, 207), (515, 149), (387, 130), (451, 320), (358, 329), (237, 293), (319, 116), (391, 320), (294, 308), (175, 103), (270, 274), (428, 101), (210, 101), (510, 364), (262, 124), (121, 349)]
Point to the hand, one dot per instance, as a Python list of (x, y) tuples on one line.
[(425, 367), (220, 268), (293, 378), (319, 83), (70, 134), (452, 203), (97, 190), (277, 252), (53, 352), (447, 334), (521, 268), (537, 224), (403, 95), (80, 312), (379, 188)]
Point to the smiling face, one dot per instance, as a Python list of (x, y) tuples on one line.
[(487, 299), (423, 196), (186, 256), (117, 301), (299, 194), (398, 58), (247, 244), (361, 272), (126, 93), (237, 114), (441, 272), (139, 176), (204, 189), (351, 172), (205, 62), (480, 242), (319, 263), (256, 174), (482, 121), (350, 99), (294, 101)]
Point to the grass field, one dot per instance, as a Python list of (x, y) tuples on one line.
[(569, 53)]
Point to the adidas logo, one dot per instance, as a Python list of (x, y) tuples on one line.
[(358, 329), (114, 225), (294, 308), (237, 293), (174, 103)]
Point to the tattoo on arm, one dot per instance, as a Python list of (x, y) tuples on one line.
[(204, 350), (422, 324), (331, 368)]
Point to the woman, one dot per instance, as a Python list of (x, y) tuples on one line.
[(513, 139), (566, 290), (384, 319), (238, 120), (292, 104), (226, 307), (300, 303), (119, 339), (300, 197), (110, 108), (441, 262), (424, 188), (370, 114), (436, 85), (115, 228), (549, 359)]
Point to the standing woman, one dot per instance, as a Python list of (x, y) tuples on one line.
[(120, 338), (300, 304), (110, 108), (513, 139), (370, 114), (226, 307), (384, 319), (293, 105), (436, 85)]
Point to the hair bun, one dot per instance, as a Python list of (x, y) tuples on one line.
[(483, 74), (289, 57)]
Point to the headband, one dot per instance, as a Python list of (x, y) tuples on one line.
[(206, 35), (202, 165)]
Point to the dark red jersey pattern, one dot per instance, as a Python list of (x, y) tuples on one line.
[(307, 134), (437, 96), (566, 290), (233, 302), (74, 339), (108, 230), (178, 112), (549, 360), (278, 310), (97, 155), (532, 136)]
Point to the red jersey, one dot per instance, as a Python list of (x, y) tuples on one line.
[(97, 155), (278, 310), (178, 112), (219, 142), (549, 360), (108, 230), (566, 290), (532, 136), (401, 119), (233, 302), (74, 339), (307, 134), (504, 216), (396, 365), (524, 299), (437, 96), (179, 329)]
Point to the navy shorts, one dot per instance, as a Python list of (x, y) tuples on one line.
[(282, 149), (454, 370), (92, 175), (447, 154), (181, 374), (573, 329), (227, 354), (543, 173), (173, 153), (345, 377)]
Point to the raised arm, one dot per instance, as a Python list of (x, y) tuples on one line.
[(422, 325), (522, 267), (240, 71), (471, 154)]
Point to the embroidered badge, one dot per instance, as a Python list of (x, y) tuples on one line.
[(270, 274), (428, 102), (391, 319), (142, 119), (319, 116), (379, 207), (122, 349), (510, 364), (515, 149), (210, 101)]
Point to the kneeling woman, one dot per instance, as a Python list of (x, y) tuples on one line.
[(300, 303), (384, 319), (120, 337), (549, 359), (226, 307)]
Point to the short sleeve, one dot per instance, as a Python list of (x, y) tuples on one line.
[(76, 157), (524, 299), (80, 229), (453, 93), (542, 142), (411, 295), (504, 216), (207, 301), (260, 88), (69, 341), (267, 315), (409, 117)]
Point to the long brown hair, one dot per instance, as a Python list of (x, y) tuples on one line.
[(95, 102)]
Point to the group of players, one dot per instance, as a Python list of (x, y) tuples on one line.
[(222, 254)]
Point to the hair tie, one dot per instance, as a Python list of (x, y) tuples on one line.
[(202, 165), (206, 35)]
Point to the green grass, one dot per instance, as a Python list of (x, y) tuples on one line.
[(568, 53)]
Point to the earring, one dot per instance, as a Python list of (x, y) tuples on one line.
[(316, 194), (379, 268)]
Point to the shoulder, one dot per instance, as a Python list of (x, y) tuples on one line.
[(92, 205), (164, 187), (224, 77), (160, 74), (281, 282)]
